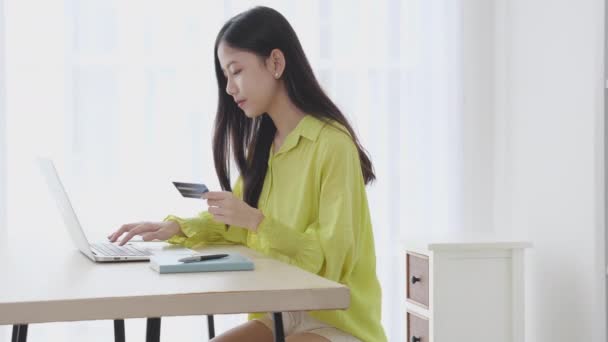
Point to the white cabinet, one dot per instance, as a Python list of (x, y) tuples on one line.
[(465, 292)]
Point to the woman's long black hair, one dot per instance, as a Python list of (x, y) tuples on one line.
[(260, 30)]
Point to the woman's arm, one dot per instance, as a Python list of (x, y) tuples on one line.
[(205, 230), (327, 246)]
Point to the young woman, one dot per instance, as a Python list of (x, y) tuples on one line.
[(300, 196)]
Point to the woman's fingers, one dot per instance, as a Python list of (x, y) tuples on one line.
[(149, 236), (124, 228), (217, 211), (230, 210), (214, 203), (216, 195), (143, 228)]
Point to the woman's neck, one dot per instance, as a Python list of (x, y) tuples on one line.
[(285, 116)]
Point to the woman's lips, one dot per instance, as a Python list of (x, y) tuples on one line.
[(241, 103)]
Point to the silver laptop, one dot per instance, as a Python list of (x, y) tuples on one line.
[(99, 252)]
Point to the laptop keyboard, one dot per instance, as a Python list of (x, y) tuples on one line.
[(110, 249)]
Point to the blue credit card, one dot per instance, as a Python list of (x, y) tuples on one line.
[(191, 190)]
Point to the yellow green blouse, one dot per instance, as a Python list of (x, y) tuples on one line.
[(316, 217)]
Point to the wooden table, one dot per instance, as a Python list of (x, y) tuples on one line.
[(61, 284)]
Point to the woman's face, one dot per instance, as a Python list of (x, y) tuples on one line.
[(250, 80)]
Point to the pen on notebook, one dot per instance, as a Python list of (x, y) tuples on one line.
[(197, 258)]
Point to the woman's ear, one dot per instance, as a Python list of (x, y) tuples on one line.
[(276, 63)]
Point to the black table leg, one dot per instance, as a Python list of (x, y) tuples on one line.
[(153, 330), (119, 330), (15, 333), (19, 333), (279, 334), (211, 326)]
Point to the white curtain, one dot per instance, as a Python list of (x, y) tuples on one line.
[(122, 95), (432, 125), (2, 132)]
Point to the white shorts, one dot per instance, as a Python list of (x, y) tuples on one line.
[(301, 322)]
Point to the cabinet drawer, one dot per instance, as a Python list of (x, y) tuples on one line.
[(417, 328), (417, 289)]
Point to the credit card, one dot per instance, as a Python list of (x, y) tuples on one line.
[(191, 190)]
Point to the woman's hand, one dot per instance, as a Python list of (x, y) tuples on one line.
[(228, 209), (148, 230)]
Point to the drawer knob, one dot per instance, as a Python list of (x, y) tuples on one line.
[(416, 339), (415, 280)]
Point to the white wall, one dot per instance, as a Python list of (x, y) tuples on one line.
[(549, 149), (477, 113)]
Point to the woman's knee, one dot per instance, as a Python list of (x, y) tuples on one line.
[(253, 331), (306, 337)]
